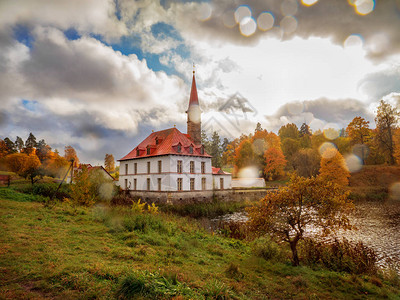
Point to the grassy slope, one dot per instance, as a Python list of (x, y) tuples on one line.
[(63, 253)]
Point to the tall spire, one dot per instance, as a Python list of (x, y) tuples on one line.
[(194, 114), (194, 100)]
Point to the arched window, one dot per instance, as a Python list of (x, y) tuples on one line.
[(191, 149), (179, 148)]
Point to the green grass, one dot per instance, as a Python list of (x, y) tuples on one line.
[(107, 253)]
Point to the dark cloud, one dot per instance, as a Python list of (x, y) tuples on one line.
[(378, 85), (339, 112), (326, 18)]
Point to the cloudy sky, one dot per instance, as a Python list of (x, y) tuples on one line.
[(100, 75)]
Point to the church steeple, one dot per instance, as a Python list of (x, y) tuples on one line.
[(194, 114)]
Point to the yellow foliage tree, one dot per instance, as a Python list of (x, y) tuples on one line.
[(333, 167), (27, 166), (286, 214)]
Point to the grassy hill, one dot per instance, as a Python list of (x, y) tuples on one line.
[(102, 252), (374, 182)]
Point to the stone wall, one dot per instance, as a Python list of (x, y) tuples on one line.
[(199, 196)]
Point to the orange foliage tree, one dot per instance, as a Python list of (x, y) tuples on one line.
[(286, 214), (27, 166), (70, 154), (275, 163), (333, 167)]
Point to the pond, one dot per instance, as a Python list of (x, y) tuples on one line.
[(378, 226)]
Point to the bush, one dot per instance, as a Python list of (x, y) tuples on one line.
[(235, 230), (340, 256), (266, 248), (151, 285)]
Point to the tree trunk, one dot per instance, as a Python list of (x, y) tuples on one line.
[(293, 247)]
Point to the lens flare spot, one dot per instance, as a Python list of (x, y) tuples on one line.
[(308, 2), (242, 12), (364, 7), (194, 114), (204, 11), (394, 191), (331, 131), (378, 43), (288, 24), (353, 163), (265, 21), (361, 150), (327, 150), (316, 124), (353, 40), (289, 7), (228, 19), (247, 26)]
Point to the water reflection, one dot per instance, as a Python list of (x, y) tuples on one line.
[(378, 226)]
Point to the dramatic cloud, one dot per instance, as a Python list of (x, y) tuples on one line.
[(319, 114)]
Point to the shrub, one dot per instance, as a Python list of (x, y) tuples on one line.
[(340, 256), (152, 209), (232, 229), (137, 207), (217, 290), (266, 248), (232, 271)]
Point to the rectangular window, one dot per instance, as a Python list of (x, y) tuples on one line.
[(221, 183), (159, 166), (179, 166), (192, 167), (126, 184), (203, 183), (192, 184), (148, 184), (135, 166), (126, 169), (148, 167), (135, 184), (179, 184), (159, 184), (203, 167)]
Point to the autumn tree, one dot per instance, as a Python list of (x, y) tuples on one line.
[(70, 154), (333, 167), (43, 151), (228, 156), (286, 214), (109, 162), (82, 190), (306, 162), (275, 163), (359, 133), (27, 166), (289, 131), (386, 122), (10, 146)]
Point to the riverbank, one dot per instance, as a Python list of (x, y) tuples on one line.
[(67, 253)]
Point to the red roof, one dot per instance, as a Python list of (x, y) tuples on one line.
[(218, 171), (166, 142), (194, 100)]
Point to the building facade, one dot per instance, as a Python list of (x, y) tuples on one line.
[(172, 161)]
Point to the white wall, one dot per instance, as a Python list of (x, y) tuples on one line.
[(227, 181), (248, 182), (168, 173)]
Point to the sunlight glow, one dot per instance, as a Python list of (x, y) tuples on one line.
[(265, 21), (323, 150), (248, 175), (308, 2), (331, 131)]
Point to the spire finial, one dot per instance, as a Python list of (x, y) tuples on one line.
[(194, 68)]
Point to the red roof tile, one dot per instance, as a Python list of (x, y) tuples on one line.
[(169, 141), (218, 171)]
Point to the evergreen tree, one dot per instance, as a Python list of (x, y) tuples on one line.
[(31, 141), (10, 146), (215, 150), (305, 130), (258, 127), (19, 144), (43, 151)]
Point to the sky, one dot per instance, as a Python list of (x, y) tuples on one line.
[(100, 75)]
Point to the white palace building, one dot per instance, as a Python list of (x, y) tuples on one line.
[(172, 161)]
